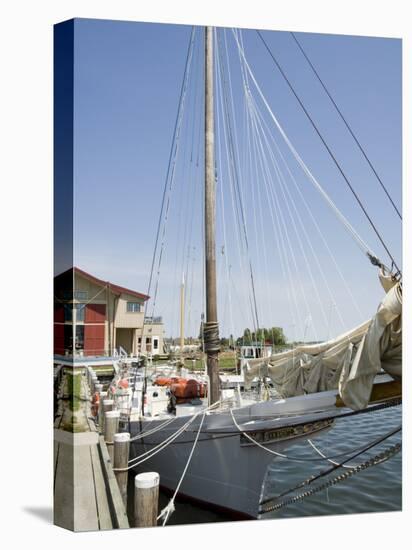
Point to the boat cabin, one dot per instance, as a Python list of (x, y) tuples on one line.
[(255, 351)]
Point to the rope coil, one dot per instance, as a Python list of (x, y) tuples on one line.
[(211, 336)]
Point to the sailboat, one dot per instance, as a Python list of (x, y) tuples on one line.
[(218, 451)]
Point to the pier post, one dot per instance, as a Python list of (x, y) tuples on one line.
[(102, 395), (146, 498), (94, 382), (111, 427), (120, 460), (106, 406)]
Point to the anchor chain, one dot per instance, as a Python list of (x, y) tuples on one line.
[(378, 459)]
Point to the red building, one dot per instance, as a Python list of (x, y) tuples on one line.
[(95, 317)]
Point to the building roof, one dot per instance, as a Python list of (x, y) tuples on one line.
[(116, 289)]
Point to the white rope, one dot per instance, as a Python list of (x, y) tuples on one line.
[(329, 459), (166, 442), (300, 161), (222, 135), (153, 430), (254, 440), (286, 253), (171, 177), (236, 191), (282, 184), (169, 509), (159, 447), (272, 199), (264, 134)]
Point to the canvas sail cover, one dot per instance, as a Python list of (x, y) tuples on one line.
[(349, 363)]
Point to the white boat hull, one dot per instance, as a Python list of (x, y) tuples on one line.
[(227, 470)]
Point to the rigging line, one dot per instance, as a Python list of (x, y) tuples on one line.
[(313, 478), (170, 506), (280, 242), (330, 152), (346, 123), (195, 104), (172, 160), (252, 164), (229, 168), (175, 131), (232, 150), (245, 158), (224, 232), (282, 185), (285, 188), (378, 459), (360, 242), (281, 231), (181, 212), (320, 453), (263, 122), (273, 199)]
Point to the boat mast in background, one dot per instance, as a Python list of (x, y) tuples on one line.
[(182, 319), (211, 326)]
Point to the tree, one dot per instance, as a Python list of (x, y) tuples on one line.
[(271, 336)]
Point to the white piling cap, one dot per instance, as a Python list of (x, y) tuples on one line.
[(146, 480), (121, 437), (112, 414), (108, 401)]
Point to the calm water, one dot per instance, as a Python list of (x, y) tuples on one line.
[(376, 489)]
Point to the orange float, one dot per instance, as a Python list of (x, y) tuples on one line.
[(95, 403), (183, 388)]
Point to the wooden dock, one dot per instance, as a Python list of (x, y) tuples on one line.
[(86, 493)]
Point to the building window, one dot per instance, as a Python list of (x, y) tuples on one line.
[(68, 337), (80, 312), (76, 295), (68, 312), (133, 307)]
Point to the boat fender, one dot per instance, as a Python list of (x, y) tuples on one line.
[(95, 403)]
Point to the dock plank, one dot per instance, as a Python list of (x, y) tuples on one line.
[(103, 509), (64, 488), (119, 513), (85, 508)]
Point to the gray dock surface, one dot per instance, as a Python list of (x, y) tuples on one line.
[(86, 494)]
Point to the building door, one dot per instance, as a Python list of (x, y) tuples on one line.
[(124, 339), (94, 329), (155, 345)]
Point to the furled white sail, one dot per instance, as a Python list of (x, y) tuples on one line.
[(348, 363)]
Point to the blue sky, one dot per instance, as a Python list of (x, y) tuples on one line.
[(127, 79)]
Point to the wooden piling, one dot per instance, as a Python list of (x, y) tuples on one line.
[(102, 396), (120, 460), (106, 406), (111, 427), (94, 382), (146, 499)]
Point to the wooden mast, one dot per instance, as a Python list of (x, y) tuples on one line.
[(211, 331)]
